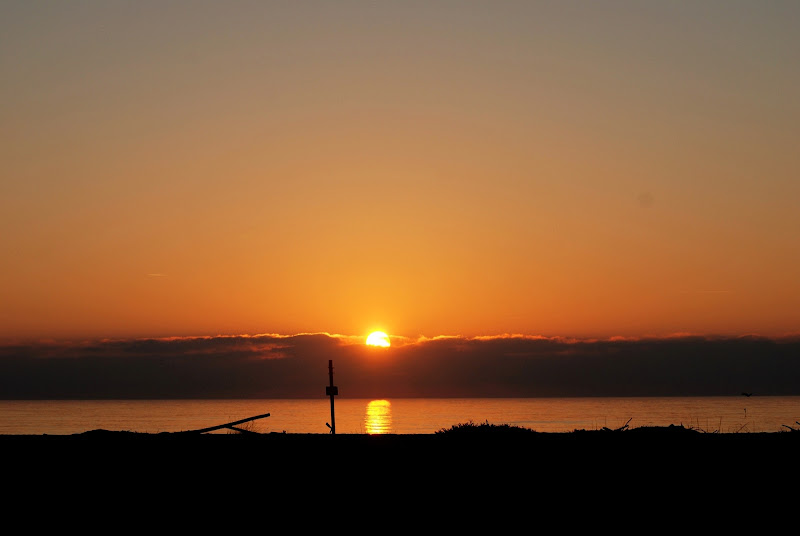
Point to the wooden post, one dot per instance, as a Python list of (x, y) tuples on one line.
[(332, 390)]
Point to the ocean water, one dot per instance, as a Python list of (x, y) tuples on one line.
[(400, 416)]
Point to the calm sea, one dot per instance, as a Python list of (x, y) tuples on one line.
[(400, 416)]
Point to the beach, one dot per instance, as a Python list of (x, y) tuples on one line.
[(466, 480), (658, 447)]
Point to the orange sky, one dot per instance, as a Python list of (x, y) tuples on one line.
[(445, 168)]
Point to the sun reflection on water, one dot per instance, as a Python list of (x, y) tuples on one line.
[(378, 419)]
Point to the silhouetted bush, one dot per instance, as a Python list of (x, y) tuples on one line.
[(470, 427)]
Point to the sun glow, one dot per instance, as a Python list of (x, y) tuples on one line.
[(378, 338)]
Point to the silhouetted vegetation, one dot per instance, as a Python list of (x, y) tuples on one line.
[(470, 427)]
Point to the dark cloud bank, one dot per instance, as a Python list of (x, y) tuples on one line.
[(297, 367)]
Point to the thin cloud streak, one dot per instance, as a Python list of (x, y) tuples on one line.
[(296, 366)]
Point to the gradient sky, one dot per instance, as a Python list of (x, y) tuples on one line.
[(576, 169)]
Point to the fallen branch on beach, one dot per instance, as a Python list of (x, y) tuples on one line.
[(230, 426)]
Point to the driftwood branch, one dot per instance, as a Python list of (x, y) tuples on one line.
[(230, 425)]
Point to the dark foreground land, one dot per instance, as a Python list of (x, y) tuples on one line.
[(461, 481), (468, 448)]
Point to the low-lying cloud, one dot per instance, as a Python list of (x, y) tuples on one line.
[(274, 366)]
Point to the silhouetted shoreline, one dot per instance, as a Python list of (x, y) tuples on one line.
[(461, 432), (665, 437), (456, 462)]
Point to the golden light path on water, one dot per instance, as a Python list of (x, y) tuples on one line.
[(378, 417)]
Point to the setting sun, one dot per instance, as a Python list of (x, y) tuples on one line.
[(378, 338)]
